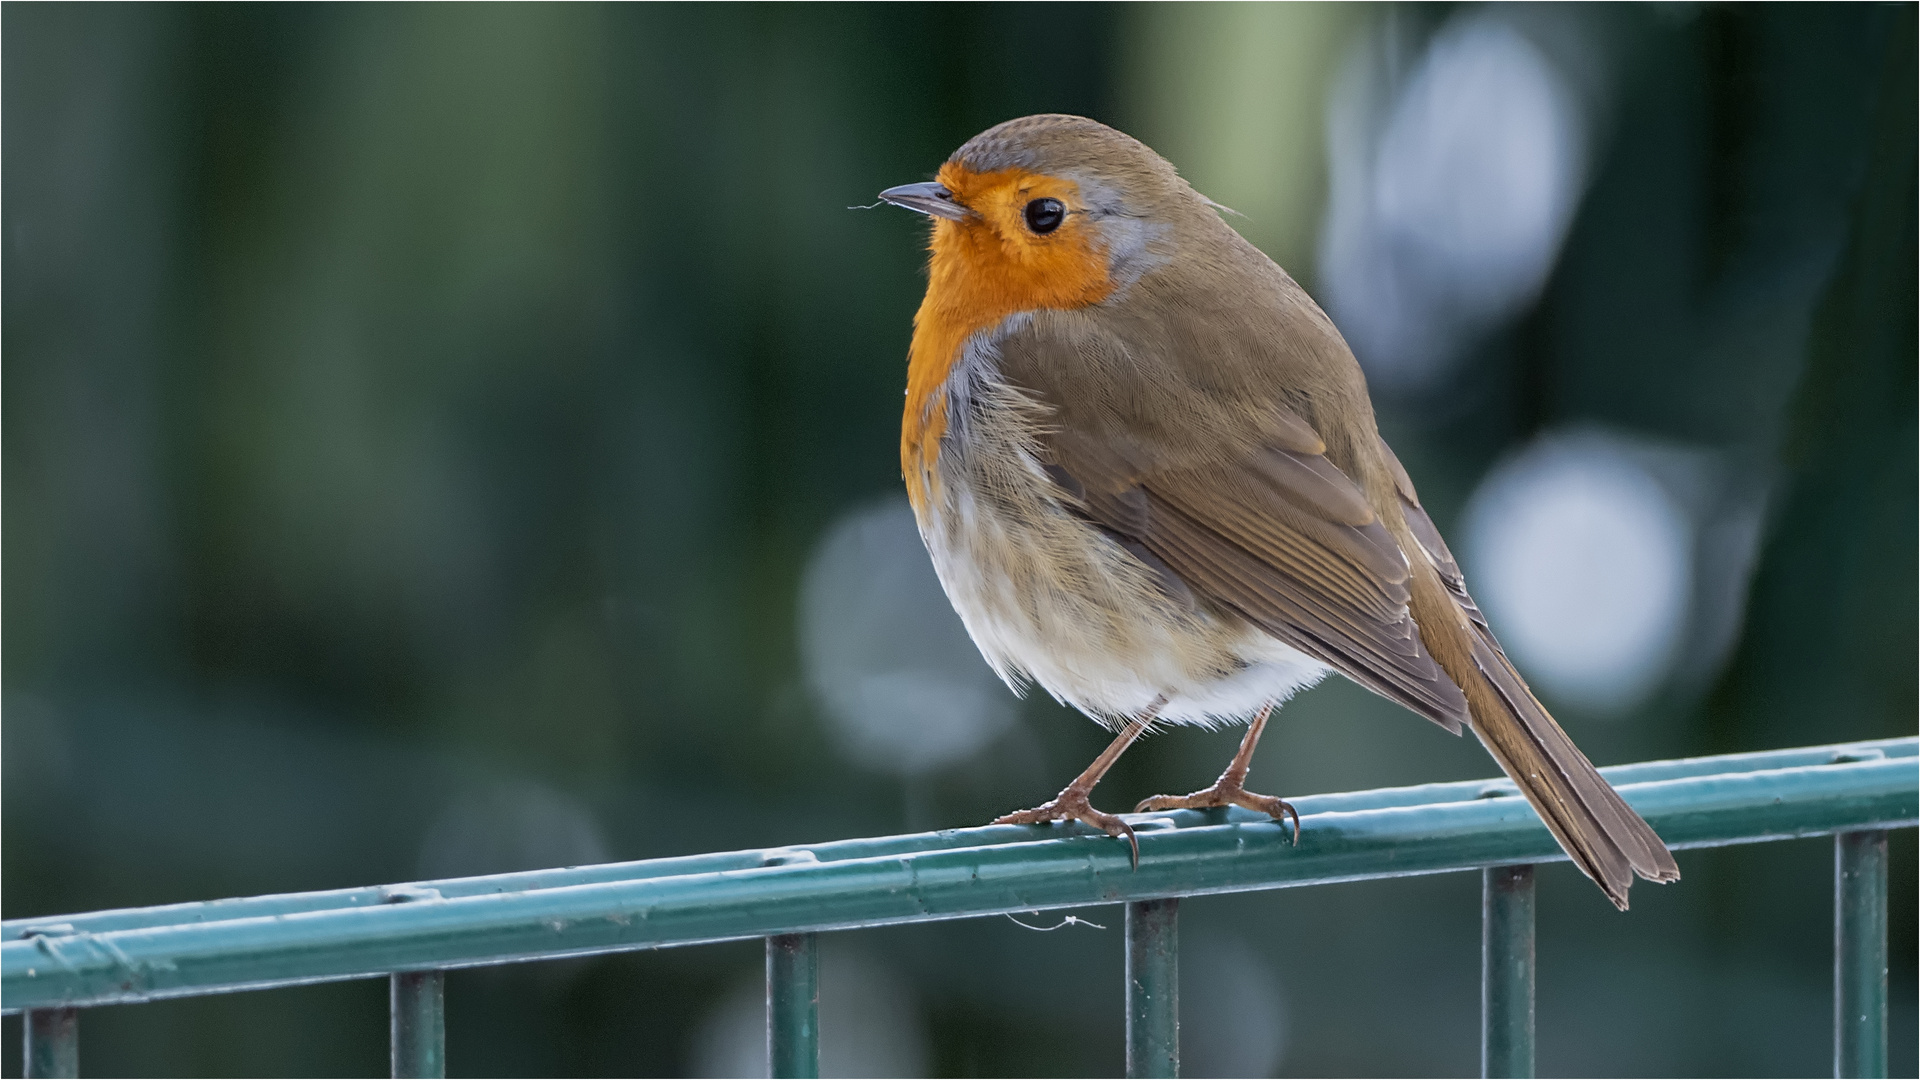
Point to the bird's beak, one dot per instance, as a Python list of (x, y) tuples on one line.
[(928, 198)]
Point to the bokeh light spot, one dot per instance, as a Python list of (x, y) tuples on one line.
[(1584, 565), (901, 684)]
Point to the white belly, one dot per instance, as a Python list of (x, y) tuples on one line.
[(1049, 598)]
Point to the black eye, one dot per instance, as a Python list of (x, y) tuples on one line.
[(1045, 215)]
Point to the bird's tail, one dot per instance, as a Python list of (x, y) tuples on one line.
[(1604, 837)]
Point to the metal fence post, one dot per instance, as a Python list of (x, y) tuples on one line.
[(52, 1039), (1506, 971), (1860, 954), (1153, 988), (418, 1003), (793, 1006), (416, 1006)]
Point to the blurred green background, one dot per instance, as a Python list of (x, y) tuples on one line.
[(426, 428)]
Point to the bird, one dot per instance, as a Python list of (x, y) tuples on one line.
[(1147, 471)]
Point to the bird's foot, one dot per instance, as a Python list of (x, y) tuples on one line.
[(1226, 791), (1072, 805)]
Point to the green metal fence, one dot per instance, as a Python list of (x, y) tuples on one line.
[(50, 968)]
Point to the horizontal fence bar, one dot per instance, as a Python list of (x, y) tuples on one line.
[(991, 875), (874, 847)]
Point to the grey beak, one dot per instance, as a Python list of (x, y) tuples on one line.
[(929, 198)]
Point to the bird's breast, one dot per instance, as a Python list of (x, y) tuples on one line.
[(976, 284), (1048, 596)]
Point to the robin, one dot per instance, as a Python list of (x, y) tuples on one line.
[(1146, 467)]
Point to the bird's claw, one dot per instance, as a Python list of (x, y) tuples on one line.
[(1225, 792), (1072, 805)]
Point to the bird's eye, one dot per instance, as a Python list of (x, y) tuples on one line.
[(1045, 215)]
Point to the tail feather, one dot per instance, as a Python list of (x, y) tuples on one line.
[(1602, 834)]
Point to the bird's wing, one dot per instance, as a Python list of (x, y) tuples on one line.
[(1234, 492)]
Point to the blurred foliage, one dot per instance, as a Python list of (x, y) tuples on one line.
[(417, 419)]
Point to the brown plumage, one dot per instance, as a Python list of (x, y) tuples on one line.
[(1147, 468)]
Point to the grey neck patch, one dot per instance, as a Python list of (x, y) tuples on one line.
[(1135, 244)]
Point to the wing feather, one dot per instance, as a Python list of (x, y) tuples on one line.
[(1242, 505)]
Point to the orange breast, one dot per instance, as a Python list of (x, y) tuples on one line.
[(981, 271)]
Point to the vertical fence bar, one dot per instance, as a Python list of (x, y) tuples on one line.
[(1506, 971), (52, 1038), (1860, 954), (418, 1003), (1153, 988), (793, 1006)]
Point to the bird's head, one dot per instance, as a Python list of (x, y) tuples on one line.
[(1048, 211)]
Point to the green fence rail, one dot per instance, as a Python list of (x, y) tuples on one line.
[(52, 967)]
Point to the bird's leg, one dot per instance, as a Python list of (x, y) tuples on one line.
[(1229, 790), (1072, 803)]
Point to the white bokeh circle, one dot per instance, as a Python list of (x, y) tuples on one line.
[(901, 684), (1583, 563)]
